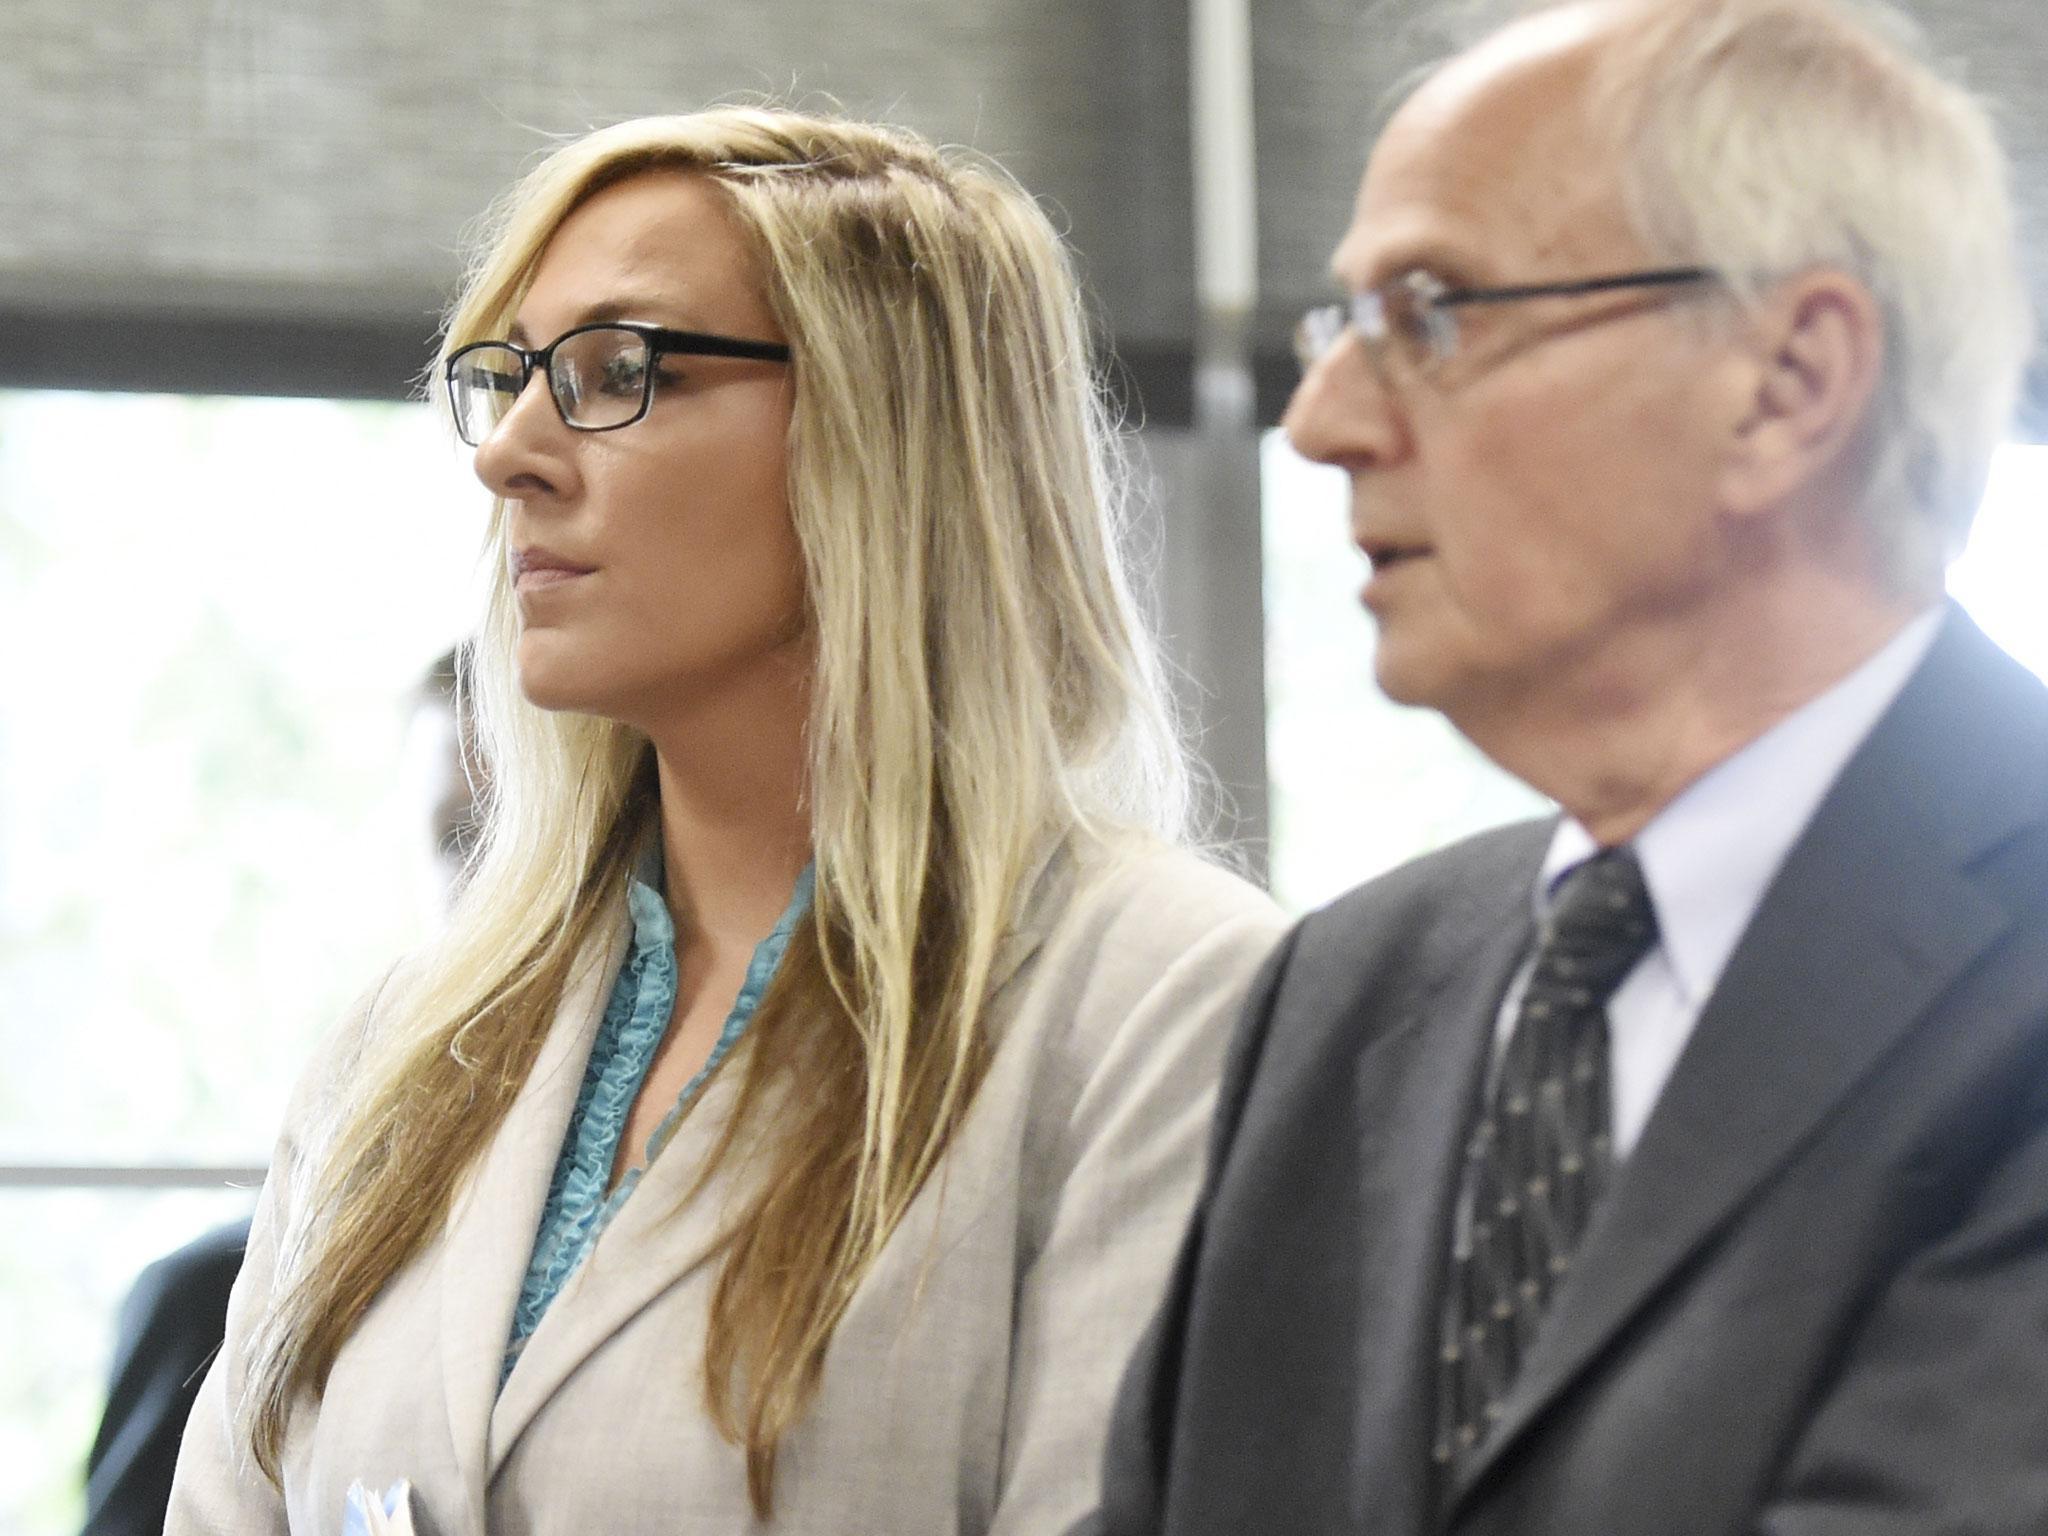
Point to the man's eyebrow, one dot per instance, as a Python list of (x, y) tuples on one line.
[(1438, 258)]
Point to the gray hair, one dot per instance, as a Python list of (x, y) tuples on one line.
[(1769, 137)]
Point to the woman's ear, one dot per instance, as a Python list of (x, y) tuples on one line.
[(1818, 349)]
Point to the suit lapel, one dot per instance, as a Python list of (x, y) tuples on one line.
[(1416, 1088), (1798, 1022), (1405, 1290), (492, 1226)]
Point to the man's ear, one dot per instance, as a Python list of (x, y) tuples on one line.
[(1818, 343)]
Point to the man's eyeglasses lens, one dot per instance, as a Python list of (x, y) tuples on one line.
[(1410, 324), (1402, 317), (599, 378)]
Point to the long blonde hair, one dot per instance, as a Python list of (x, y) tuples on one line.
[(985, 694)]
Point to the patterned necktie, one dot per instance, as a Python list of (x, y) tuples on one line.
[(1540, 1155)]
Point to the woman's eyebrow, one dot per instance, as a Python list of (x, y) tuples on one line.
[(623, 307)]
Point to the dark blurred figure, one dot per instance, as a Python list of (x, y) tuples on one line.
[(171, 1324), (174, 1317)]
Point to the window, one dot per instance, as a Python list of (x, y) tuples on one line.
[(216, 614), (1358, 783), (1998, 578)]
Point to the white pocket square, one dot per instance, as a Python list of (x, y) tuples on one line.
[(365, 1514)]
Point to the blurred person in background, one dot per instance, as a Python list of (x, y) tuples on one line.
[(793, 1129), (174, 1317), (172, 1321), (1677, 1166), (443, 774)]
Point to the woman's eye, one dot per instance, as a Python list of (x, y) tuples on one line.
[(623, 375)]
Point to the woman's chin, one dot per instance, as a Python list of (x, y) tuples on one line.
[(556, 702), (562, 691), (551, 682)]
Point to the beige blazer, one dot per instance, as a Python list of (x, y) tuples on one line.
[(967, 1387)]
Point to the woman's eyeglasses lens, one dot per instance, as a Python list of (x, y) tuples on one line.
[(482, 384), (599, 379)]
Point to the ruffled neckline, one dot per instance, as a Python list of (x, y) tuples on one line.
[(580, 1202)]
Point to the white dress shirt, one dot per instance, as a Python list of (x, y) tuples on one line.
[(1708, 857)]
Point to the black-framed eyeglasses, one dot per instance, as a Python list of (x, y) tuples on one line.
[(1414, 317), (601, 376)]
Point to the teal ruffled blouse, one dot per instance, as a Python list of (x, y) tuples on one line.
[(635, 1019)]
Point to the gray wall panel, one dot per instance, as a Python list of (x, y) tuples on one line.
[(304, 155), (281, 158)]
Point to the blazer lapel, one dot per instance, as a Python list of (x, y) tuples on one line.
[(1417, 1087), (659, 1236), (656, 1239), (1871, 919), (491, 1229)]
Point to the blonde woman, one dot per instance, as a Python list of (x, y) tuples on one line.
[(795, 1128)]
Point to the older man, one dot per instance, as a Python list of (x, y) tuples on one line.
[(1681, 1165)]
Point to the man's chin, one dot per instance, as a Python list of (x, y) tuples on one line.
[(1407, 675)]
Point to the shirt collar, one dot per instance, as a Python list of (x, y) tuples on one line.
[(1710, 854), (654, 926)]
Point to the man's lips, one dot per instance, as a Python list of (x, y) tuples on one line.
[(1384, 554)]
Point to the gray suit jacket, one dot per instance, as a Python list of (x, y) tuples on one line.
[(968, 1384), (1816, 1300)]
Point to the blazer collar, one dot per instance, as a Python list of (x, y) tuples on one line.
[(1872, 917)]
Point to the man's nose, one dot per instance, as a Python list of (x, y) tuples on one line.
[(1342, 412)]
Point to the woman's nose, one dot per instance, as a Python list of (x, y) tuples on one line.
[(529, 452)]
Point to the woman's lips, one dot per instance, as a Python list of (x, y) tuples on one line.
[(535, 570), (542, 577)]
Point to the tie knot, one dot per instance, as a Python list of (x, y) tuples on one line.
[(1600, 924)]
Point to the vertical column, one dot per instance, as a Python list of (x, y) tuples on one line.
[(1212, 581)]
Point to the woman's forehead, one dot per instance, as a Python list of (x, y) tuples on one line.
[(660, 246)]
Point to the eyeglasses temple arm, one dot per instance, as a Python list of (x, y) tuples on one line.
[(1666, 278)]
